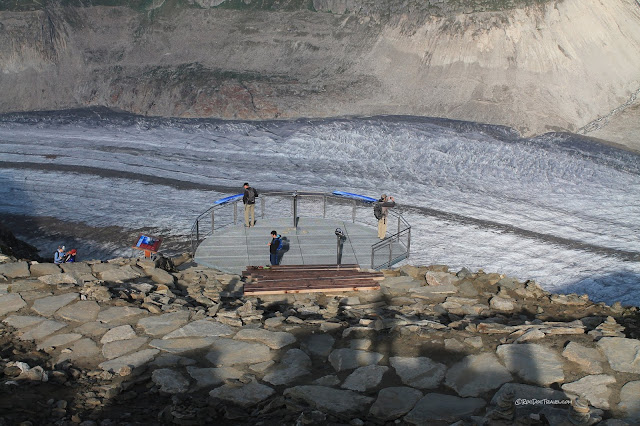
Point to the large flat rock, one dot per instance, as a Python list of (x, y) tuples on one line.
[(593, 388), (15, 270), (243, 395), (177, 346), (329, 399), (348, 359), (121, 347), (133, 360), (81, 349), (209, 377), (629, 401), (294, 364), (82, 311), (59, 278), (11, 303), (40, 269), (162, 324), (365, 378), (122, 332), (273, 339), (47, 306), (59, 340), (434, 407), (22, 321), (418, 372), (590, 359), (119, 313), (394, 402), (532, 362), (225, 352), (119, 274), (623, 354), (23, 286), (201, 328), (318, 345), (477, 374), (42, 330), (170, 381)]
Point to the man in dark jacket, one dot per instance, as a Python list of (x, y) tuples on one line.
[(386, 203), (249, 201), (274, 246)]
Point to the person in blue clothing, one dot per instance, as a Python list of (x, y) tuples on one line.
[(274, 246), (58, 256)]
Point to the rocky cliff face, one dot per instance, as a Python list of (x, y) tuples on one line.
[(533, 65)]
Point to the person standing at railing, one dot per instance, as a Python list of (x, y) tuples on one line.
[(385, 203), (249, 201)]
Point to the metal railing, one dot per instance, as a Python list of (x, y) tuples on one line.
[(296, 204)]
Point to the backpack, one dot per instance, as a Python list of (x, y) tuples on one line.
[(377, 210), (251, 195)]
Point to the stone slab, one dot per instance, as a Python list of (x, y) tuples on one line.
[(418, 372), (22, 321), (329, 399), (435, 407), (623, 354), (208, 377), (122, 332), (15, 269), (11, 303), (93, 329), (177, 346), (42, 330), (132, 361), (201, 328), (532, 362), (293, 365), (170, 381), (40, 269), (118, 313), (81, 349), (47, 306), (347, 359), (121, 347), (475, 375), (162, 324), (629, 401), (273, 339), (82, 311), (58, 279), (243, 395), (593, 388), (59, 340), (318, 345), (365, 378), (225, 352), (22, 286), (394, 402)]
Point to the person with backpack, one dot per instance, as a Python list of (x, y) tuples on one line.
[(58, 256), (274, 246), (381, 211), (249, 201)]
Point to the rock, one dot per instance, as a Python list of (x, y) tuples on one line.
[(415, 272), (531, 335), (23, 286), (42, 330), (365, 378), (589, 359), (208, 377), (59, 340), (273, 322), (76, 268), (81, 349), (273, 339), (435, 278), (477, 374), (261, 367), (438, 407), (394, 402), (294, 364), (132, 361), (318, 345), (509, 284), (47, 306), (629, 401), (171, 360), (40, 269), (15, 269), (330, 380), (533, 362), (501, 304), (161, 276), (427, 291), (593, 388), (328, 327), (93, 329), (201, 328), (232, 352), (118, 274), (418, 372), (22, 321), (177, 346), (82, 311), (526, 396), (328, 399), (623, 354), (118, 348), (11, 303), (170, 381), (608, 328), (453, 345), (58, 279), (119, 313), (347, 359), (96, 292), (360, 344), (122, 332), (163, 324), (474, 342), (243, 395)]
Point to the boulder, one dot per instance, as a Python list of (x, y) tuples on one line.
[(477, 374), (15, 269), (347, 359), (418, 372), (435, 407), (593, 388), (365, 378), (532, 362), (441, 278), (243, 395), (331, 400), (623, 354), (394, 402), (501, 304)]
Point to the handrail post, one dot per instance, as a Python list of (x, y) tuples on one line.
[(324, 206), (262, 207), (409, 243), (390, 253), (295, 209), (373, 252), (197, 231), (235, 213), (212, 221), (354, 211)]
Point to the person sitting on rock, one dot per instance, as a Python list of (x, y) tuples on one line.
[(58, 256), (70, 256)]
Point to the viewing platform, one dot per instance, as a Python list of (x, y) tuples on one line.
[(221, 241)]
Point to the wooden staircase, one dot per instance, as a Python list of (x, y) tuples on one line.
[(283, 279)]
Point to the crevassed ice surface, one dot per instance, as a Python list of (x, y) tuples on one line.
[(559, 209)]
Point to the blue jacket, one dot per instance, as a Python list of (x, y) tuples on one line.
[(58, 257)]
